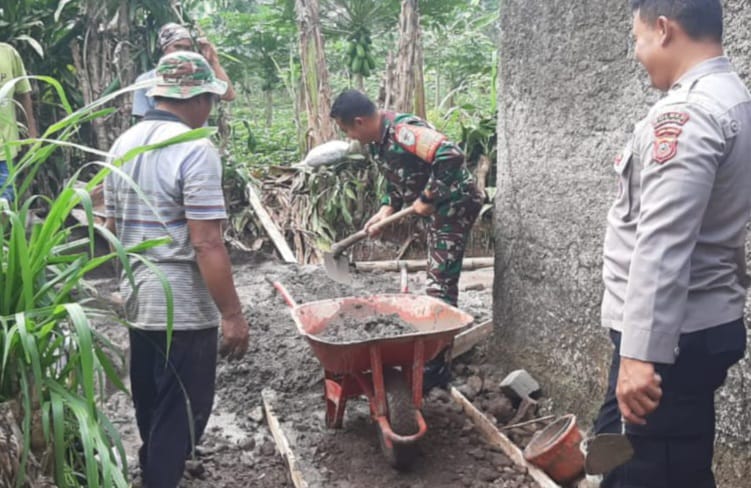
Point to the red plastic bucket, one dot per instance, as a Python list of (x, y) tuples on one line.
[(555, 450)]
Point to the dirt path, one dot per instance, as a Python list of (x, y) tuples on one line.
[(238, 450)]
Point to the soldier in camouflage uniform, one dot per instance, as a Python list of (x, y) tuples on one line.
[(423, 169)]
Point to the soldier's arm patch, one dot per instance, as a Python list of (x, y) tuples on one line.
[(423, 142), (667, 129)]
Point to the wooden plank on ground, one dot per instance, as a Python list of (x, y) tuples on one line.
[(268, 224), (466, 340), (281, 440), (420, 264), (498, 438)]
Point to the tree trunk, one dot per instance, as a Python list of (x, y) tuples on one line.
[(360, 82), (419, 77), (269, 107), (315, 74), (388, 83), (124, 63), (409, 92), (483, 168), (437, 89), (11, 443), (103, 57)]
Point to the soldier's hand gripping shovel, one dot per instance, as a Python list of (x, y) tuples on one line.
[(336, 263)]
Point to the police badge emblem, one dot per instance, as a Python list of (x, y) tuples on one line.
[(667, 129)]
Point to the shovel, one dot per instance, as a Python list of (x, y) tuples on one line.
[(337, 264), (606, 452)]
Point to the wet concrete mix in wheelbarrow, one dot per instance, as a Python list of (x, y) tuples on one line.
[(238, 450), (345, 328)]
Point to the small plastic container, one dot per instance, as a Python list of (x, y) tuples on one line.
[(555, 450)]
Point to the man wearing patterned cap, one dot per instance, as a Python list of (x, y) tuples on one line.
[(183, 185), (174, 38)]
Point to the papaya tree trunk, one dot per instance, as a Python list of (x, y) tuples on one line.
[(315, 74)]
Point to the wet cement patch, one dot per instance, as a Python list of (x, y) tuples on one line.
[(344, 328)]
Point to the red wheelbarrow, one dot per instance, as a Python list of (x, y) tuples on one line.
[(388, 370)]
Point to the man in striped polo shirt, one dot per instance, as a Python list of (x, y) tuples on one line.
[(182, 183)]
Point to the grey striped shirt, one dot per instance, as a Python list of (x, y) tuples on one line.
[(180, 182)]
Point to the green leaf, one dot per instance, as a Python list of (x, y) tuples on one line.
[(33, 43)]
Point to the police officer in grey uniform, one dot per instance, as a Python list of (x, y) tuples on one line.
[(674, 266)]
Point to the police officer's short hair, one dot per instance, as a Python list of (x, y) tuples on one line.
[(350, 104), (701, 19)]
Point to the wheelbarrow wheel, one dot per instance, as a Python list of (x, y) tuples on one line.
[(403, 420)]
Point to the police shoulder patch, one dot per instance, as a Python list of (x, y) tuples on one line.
[(423, 142), (667, 129)]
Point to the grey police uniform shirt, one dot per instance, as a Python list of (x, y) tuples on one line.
[(674, 246)]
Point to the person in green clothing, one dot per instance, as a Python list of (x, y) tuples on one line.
[(11, 66), (427, 171)]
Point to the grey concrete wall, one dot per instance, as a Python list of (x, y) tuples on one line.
[(569, 94)]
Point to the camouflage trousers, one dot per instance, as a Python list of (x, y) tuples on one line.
[(448, 230)]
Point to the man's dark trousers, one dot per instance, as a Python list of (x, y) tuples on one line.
[(161, 393), (675, 448)]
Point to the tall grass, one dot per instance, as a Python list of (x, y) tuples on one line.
[(51, 358)]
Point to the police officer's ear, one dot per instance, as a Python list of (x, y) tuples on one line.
[(665, 29)]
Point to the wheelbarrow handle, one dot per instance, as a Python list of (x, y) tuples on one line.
[(339, 247), (284, 293)]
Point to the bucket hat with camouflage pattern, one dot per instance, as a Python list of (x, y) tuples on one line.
[(170, 33), (185, 75)]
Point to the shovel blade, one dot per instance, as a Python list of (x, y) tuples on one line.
[(337, 267), (606, 452)]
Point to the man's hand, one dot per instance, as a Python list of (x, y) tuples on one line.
[(207, 50), (234, 336), (638, 390), (383, 212), (422, 208)]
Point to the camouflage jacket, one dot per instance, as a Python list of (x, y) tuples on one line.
[(414, 157)]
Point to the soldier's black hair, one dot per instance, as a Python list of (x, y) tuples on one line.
[(350, 104), (701, 19)]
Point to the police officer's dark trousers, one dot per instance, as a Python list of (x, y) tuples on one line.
[(162, 392), (675, 448)]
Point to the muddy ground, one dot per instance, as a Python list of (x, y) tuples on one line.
[(238, 451)]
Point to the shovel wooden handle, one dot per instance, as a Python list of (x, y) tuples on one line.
[(340, 246)]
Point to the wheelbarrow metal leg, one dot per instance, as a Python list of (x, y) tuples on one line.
[(379, 390), (336, 393), (418, 368)]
